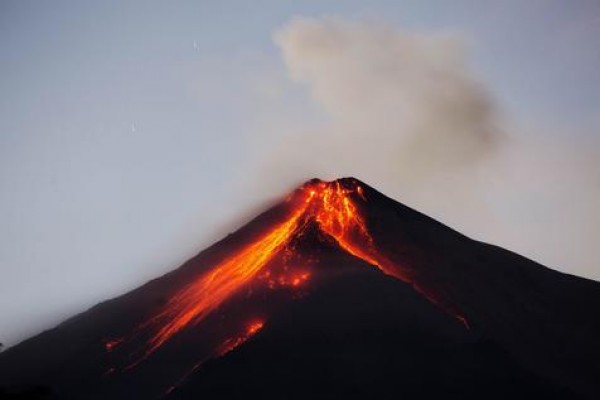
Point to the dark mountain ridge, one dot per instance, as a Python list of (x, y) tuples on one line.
[(360, 296)]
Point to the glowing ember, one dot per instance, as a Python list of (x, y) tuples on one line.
[(110, 345), (232, 343), (286, 279)]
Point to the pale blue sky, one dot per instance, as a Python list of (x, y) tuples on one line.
[(127, 128)]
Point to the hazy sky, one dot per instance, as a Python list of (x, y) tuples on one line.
[(133, 134)]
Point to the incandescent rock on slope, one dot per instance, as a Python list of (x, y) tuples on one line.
[(336, 291)]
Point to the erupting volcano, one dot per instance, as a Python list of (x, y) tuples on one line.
[(337, 291), (332, 206)]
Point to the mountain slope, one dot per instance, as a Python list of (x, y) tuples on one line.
[(366, 335), (337, 289), (544, 318)]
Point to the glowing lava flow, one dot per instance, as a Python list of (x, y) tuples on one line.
[(337, 215), (331, 205), (197, 300)]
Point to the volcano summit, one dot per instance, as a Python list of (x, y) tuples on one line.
[(335, 292)]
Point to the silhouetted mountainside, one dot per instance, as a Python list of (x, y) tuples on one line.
[(337, 291), (367, 336), (545, 319)]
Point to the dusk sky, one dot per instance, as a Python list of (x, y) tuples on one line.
[(135, 134)]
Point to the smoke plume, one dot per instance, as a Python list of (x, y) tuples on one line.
[(405, 113), (400, 107)]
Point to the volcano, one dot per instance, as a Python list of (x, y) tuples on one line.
[(335, 292)]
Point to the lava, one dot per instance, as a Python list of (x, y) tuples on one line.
[(231, 343), (286, 279), (197, 300), (335, 209), (337, 215), (227, 346)]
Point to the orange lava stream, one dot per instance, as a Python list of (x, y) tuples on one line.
[(197, 300), (338, 216)]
